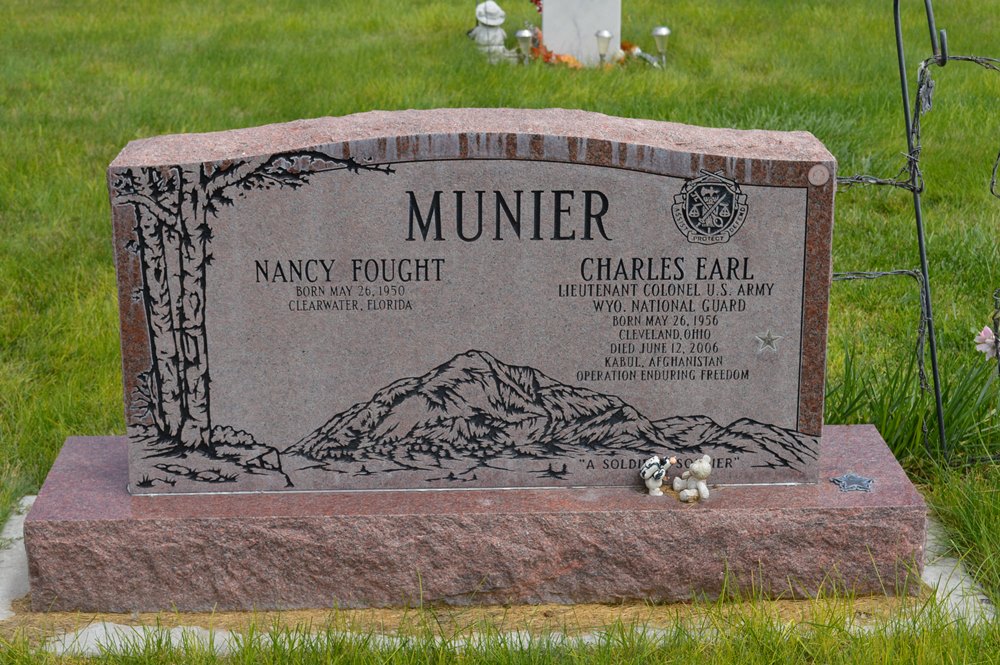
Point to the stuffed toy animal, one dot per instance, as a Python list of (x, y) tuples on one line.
[(653, 471), (691, 485)]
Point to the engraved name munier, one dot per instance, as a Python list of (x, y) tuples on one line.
[(549, 215)]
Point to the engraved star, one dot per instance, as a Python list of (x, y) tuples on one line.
[(767, 341), (852, 482)]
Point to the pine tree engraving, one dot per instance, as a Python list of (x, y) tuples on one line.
[(173, 208)]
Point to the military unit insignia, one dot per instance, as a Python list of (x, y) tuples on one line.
[(710, 209)]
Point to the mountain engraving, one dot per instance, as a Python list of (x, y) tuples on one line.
[(477, 420), (472, 421)]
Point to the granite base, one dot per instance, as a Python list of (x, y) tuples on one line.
[(91, 546)]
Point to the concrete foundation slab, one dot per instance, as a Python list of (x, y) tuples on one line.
[(92, 546), (13, 584)]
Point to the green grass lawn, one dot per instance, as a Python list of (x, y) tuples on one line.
[(750, 636), (80, 80)]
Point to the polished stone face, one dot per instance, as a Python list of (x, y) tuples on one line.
[(569, 27), (471, 298)]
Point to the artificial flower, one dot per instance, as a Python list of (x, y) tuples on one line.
[(569, 61), (986, 342)]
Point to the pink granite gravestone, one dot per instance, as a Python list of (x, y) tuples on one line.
[(470, 299), (463, 300)]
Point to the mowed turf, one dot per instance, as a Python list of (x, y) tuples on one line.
[(82, 79)]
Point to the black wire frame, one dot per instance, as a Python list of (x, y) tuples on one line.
[(911, 178), (939, 48)]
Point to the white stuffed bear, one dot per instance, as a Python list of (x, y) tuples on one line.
[(690, 485), (653, 472)]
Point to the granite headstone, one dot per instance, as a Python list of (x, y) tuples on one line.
[(470, 298), (463, 300)]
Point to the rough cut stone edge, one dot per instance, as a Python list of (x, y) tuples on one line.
[(490, 124), (92, 547)]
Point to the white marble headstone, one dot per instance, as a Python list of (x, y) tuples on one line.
[(568, 26)]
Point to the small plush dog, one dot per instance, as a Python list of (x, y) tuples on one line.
[(653, 471)]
